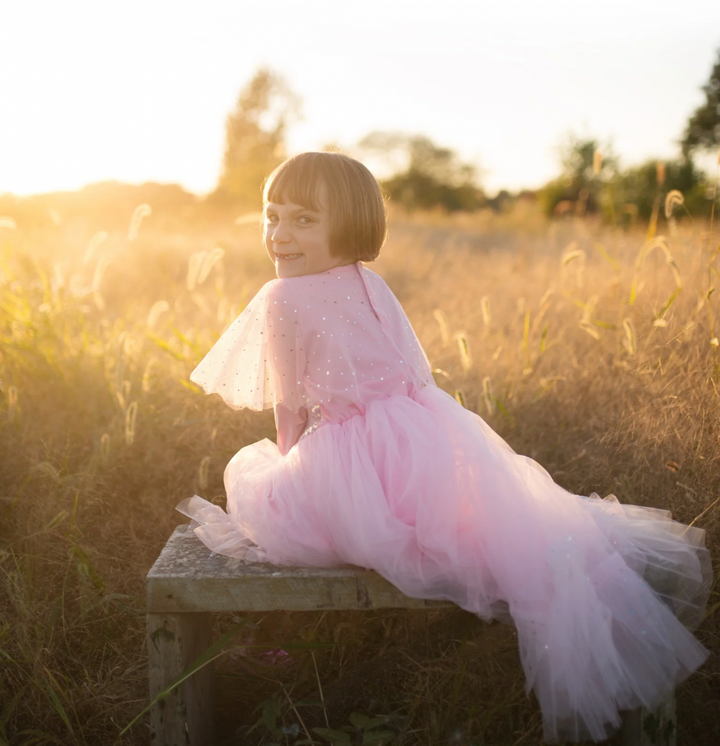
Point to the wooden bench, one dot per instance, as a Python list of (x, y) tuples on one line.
[(187, 584)]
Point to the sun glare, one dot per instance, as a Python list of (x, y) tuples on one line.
[(96, 94)]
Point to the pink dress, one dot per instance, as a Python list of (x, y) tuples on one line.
[(378, 467)]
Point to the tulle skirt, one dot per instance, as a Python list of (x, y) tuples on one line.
[(428, 495)]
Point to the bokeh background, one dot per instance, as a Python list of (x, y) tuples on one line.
[(551, 173)]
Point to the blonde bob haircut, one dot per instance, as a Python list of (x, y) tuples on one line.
[(356, 207)]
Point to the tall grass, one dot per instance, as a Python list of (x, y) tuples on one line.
[(591, 350)]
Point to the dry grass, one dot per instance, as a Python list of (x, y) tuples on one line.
[(593, 352)]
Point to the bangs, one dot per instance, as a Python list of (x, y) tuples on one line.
[(298, 181)]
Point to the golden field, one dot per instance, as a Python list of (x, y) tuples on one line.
[(593, 350)]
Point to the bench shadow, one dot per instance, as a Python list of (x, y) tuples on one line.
[(432, 677)]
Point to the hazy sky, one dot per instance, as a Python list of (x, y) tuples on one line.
[(139, 90)]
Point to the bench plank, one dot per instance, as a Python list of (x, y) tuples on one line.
[(186, 577)]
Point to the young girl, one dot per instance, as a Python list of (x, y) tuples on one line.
[(378, 467)]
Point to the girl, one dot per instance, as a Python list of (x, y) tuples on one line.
[(378, 467)]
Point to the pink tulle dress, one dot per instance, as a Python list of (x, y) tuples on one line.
[(378, 467)]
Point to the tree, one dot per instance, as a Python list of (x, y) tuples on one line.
[(255, 138), (429, 176), (645, 186), (586, 164), (703, 128), (591, 183)]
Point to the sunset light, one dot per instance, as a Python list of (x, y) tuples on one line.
[(139, 91), (359, 372)]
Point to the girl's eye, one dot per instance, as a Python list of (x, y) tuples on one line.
[(304, 220), (271, 218)]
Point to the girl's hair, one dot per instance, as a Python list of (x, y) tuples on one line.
[(356, 208)]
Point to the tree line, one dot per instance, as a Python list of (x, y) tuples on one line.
[(429, 176), (423, 175)]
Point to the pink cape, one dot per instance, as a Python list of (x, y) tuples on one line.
[(391, 473)]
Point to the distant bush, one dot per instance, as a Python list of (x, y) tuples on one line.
[(646, 186), (591, 182), (585, 166), (106, 205), (431, 176)]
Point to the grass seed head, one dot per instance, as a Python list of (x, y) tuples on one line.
[(597, 162), (203, 473), (130, 422), (208, 263), (130, 346), (93, 244), (546, 296), (442, 322), (100, 269), (485, 308), (589, 308), (464, 349), (488, 395), (195, 263), (586, 326), (140, 213), (569, 254), (658, 243), (674, 197), (159, 308), (147, 378), (630, 341)]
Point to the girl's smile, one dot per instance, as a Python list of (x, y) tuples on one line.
[(297, 239)]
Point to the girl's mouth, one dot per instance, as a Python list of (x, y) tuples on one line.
[(286, 257)]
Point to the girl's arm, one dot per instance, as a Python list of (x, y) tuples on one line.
[(290, 426)]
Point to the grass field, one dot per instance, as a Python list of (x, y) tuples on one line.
[(592, 350)]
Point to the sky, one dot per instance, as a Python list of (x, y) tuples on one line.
[(139, 90)]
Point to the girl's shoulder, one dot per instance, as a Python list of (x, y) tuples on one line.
[(283, 292), (306, 287), (281, 289), (307, 298), (373, 280)]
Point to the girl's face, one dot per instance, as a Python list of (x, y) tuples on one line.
[(297, 239)]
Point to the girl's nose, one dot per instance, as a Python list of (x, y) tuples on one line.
[(280, 234)]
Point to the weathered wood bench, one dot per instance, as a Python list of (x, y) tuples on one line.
[(187, 584)]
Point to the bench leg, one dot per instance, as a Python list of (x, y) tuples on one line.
[(642, 727), (186, 716)]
